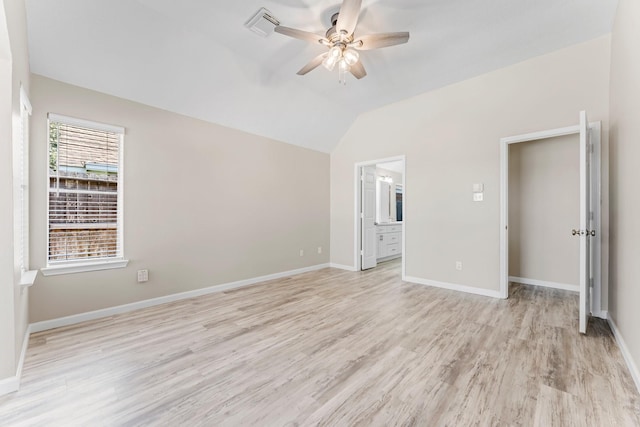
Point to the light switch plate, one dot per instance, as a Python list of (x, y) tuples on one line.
[(143, 276), (478, 197), (478, 188)]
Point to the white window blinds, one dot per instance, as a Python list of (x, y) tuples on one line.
[(85, 190), (25, 112)]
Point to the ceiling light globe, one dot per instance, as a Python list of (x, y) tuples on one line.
[(351, 56), (335, 52), (329, 62), (344, 66)]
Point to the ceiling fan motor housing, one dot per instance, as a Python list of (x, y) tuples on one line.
[(336, 37), (334, 18)]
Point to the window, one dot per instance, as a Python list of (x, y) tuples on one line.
[(22, 151), (85, 195)]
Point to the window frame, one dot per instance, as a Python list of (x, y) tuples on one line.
[(92, 264)]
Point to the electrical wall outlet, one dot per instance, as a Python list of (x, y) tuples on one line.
[(319, 249), (301, 252), (459, 265), (143, 276)]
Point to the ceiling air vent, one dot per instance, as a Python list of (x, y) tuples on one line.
[(262, 23)]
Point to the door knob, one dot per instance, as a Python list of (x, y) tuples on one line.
[(575, 232)]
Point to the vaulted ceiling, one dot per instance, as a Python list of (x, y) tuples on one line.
[(195, 57)]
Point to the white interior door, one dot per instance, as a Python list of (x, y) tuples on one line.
[(368, 227), (585, 222)]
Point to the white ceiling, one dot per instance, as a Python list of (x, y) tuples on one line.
[(195, 57)]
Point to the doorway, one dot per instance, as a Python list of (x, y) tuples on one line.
[(380, 214), (587, 229), (544, 206)]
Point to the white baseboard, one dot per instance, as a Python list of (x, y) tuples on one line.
[(11, 384), (631, 364), (106, 312), (342, 267), (546, 284), (454, 287)]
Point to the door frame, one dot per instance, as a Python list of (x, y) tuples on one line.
[(357, 253), (596, 204)]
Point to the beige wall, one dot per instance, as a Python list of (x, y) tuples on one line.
[(451, 139), (544, 206), (625, 175), (14, 71), (203, 204)]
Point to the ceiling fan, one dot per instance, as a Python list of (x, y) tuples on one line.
[(342, 43)]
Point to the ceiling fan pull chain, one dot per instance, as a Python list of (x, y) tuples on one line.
[(342, 76)]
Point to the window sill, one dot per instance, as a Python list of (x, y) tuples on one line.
[(27, 278), (84, 267)]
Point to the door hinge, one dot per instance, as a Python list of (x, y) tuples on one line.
[(361, 177), (361, 215), (361, 253)]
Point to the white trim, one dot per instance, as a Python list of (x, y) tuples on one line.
[(454, 287), (599, 281), (504, 201), (342, 267), (551, 133), (9, 385), (545, 284), (120, 213), (27, 278), (24, 100), (504, 218), (12, 384), (106, 312), (81, 267), (631, 364), (85, 123)]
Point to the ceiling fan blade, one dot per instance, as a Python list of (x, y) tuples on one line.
[(358, 70), (348, 15), (376, 41), (299, 34), (312, 65)]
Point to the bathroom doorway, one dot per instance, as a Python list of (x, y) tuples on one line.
[(380, 213)]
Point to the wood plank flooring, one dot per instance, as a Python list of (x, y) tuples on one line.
[(331, 348)]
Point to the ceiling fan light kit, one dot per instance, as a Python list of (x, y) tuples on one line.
[(342, 43)]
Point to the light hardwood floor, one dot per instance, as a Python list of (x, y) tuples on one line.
[(331, 348)]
